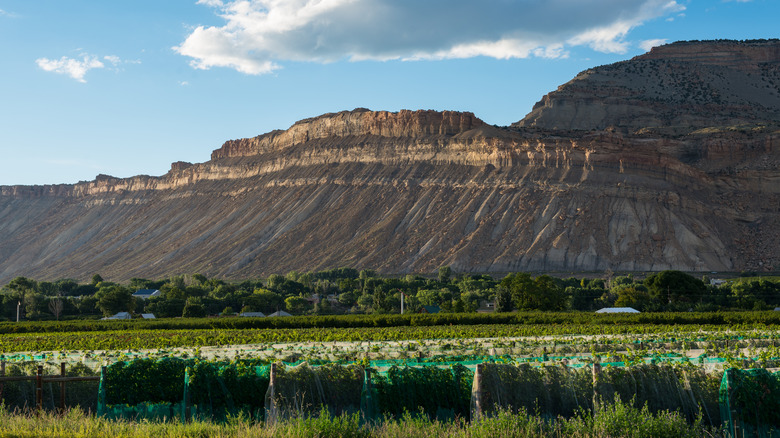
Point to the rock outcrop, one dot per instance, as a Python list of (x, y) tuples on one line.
[(403, 124), (641, 184), (673, 89)]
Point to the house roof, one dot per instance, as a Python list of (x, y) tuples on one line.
[(146, 292), (253, 314), (617, 310), (280, 313), (120, 315), (147, 316)]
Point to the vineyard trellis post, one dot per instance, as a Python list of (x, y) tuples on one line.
[(476, 394), (39, 378), (39, 388), (62, 387), (596, 392), (271, 408)]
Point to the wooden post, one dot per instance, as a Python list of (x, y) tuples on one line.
[(2, 374), (367, 402), (596, 393), (62, 387), (271, 409), (477, 406), (39, 388)]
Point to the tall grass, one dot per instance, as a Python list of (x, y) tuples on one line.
[(611, 420)]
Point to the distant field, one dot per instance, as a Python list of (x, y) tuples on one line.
[(397, 337)]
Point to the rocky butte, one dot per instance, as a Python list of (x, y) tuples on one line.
[(669, 160)]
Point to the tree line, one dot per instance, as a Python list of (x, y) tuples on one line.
[(349, 291)]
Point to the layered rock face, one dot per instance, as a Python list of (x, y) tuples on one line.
[(415, 190), (673, 89)]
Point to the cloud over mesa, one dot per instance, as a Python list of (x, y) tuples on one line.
[(256, 36)]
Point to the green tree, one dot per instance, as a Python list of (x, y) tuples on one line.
[(632, 296), (445, 272), (194, 308), (503, 299), (674, 288), (296, 305), (200, 278), (541, 293), (428, 297), (25, 289), (114, 299), (96, 279), (265, 301)]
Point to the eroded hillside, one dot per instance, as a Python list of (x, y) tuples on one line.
[(414, 190)]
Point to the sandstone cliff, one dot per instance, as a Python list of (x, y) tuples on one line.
[(651, 185)]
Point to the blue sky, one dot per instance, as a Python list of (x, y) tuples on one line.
[(127, 87)]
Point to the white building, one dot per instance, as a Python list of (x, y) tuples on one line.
[(617, 310)]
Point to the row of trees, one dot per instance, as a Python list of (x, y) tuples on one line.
[(352, 291)]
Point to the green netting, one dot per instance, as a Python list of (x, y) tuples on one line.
[(191, 388), (750, 403), (143, 389), (219, 390)]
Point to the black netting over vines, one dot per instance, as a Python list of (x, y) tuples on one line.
[(558, 390), (304, 391), (550, 391), (439, 392), (21, 394), (688, 390)]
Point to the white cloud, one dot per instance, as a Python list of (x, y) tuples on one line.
[(114, 60), (4, 13), (257, 35), (646, 45), (75, 68)]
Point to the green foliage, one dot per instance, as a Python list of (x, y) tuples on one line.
[(445, 272), (753, 395), (443, 393), (674, 288), (114, 299), (296, 305), (542, 293), (503, 299), (145, 380), (219, 389), (193, 309), (632, 296), (96, 279)]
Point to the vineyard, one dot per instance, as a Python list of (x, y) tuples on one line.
[(439, 372)]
